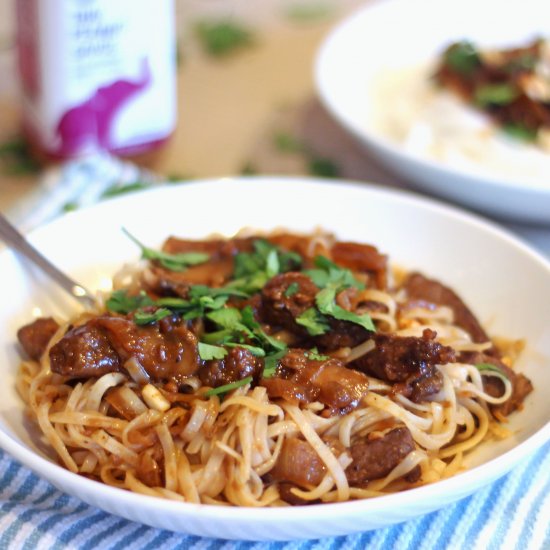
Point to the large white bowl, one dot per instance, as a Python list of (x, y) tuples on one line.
[(505, 282), (362, 78)]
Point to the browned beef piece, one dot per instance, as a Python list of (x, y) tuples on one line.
[(281, 306), (376, 458), (83, 352), (299, 464), (35, 337), (363, 258), (419, 287), (214, 272), (236, 365), (303, 380), (408, 362), (522, 386), (341, 334), (166, 349)]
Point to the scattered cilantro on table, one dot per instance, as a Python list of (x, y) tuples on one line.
[(222, 37), (16, 158)]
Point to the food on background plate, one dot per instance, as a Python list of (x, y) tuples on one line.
[(462, 109), (264, 370), (512, 85)]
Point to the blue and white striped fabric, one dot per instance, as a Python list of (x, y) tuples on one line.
[(513, 513)]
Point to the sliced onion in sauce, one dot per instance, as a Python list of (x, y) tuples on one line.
[(136, 371), (126, 402)]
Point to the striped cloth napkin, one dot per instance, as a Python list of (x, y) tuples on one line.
[(512, 513)]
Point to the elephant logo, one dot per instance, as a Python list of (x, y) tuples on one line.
[(89, 123)]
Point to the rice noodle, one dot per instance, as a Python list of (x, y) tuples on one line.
[(183, 443)]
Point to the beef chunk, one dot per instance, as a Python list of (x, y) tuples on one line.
[(216, 271), (363, 258), (281, 306), (236, 365), (301, 379), (377, 457), (35, 337), (419, 287), (409, 362), (166, 349), (83, 352), (285, 297), (341, 334), (521, 385)]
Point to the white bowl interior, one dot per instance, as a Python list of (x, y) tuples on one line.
[(505, 283), (399, 34)]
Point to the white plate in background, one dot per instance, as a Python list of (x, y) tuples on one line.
[(505, 283), (372, 73)]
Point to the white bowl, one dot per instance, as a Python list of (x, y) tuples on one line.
[(505, 282), (372, 73)]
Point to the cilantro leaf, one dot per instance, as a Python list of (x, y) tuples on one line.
[(462, 57), (173, 262), (143, 317), (255, 350), (228, 387), (495, 94), (314, 321), (271, 362), (520, 132), (121, 302), (314, 355), (481, 367), (249, 321), (208, 352), (227, 317), (253, 269), (222, 37), (292, 289), (326, 303)]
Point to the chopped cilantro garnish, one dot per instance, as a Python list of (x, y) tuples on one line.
[(208, 352), (249, 169), (287, 143), (254, 350), (142, 317), (323, 167), (326, 303), (249, 321), (220, 38), (495, 94), (520, 132), (254, 269), (121, 302), (228, 387), (488, 367), (291, 289), (173, 262), (331, 279), (271, 363), (314, 321), (17, 158), (118, 189), (314, 355), (462, 57)]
